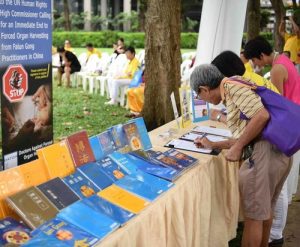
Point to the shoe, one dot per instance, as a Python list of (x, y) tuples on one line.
[(111, 102), (276, 242)]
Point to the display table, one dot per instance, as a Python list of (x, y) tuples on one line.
[(201, 210)]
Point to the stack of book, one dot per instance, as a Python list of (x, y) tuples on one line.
[(81, 189)]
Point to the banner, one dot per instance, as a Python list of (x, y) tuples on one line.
[(26, 73)]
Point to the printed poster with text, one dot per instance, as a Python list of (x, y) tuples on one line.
[(26, 73)]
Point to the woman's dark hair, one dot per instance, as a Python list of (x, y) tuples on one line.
[(229, 64), (255, 47)]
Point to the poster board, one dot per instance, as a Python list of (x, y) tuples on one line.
[(26, 75)]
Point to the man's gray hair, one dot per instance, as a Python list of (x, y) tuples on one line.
[(206, 75)]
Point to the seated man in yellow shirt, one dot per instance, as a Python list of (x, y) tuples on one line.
[(124, 79), (230, 64), (92, 50)]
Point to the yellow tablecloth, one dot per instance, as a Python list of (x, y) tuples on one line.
[(201, 210)]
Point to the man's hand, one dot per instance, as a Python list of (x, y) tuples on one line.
[(203, 142), (234, 153)]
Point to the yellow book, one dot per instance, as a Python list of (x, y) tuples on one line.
[(123, 199), (11, 182), (57, 159), (34, 173)]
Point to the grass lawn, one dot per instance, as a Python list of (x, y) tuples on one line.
[(74, 110)]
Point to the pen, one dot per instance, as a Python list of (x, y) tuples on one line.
[(204, 135)]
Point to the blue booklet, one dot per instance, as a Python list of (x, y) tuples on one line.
[(45, 241), (65, 233), (81, 185), (181, 158), (133, 136), (114, 212), (102, 144), (119, 137), (141, 189), (94, 173), (153, 167), (131, 184), (130, 168), (111, 169), (87, 219), (143, 132), (166, 160), (58, 193), (13, 232)]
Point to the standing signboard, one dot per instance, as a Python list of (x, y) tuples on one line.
[(26, 73)]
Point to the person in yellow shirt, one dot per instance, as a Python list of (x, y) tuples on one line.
[(292, 41), (92, 50), (230, 64), (124, 79)]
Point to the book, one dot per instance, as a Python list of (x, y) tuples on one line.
[(140, 123), (11, 182), (119, 138), (58, 193), (123, 199), (111, 169), (185, 160), (93, 172), (102, 144), (34, 172), (57, 159), (114, 212), (44, 241), (200, 108), (130, 168), (146, 164), (139, 188), (81, 185), (167, 160), (123, 180), (87, 219), (133, 136), (65, 233), (32, 206), (13, 232), (80, 148)]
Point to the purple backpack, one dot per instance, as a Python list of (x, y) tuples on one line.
[(283, 128)]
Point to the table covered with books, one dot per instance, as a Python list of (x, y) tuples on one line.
[(123, 187), (200, 210)]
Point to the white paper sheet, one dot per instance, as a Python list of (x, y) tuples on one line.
[(188, 145), (213, 131)]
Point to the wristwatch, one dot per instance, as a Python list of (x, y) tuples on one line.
[(219, 117)]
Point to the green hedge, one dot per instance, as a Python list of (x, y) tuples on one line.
[(107, 38)]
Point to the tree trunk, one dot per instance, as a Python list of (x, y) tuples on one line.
[(67, 15), (253, 19), (142, 8), (279, 14), (162, 61)]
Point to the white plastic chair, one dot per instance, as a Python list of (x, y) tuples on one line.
[(185, 71)]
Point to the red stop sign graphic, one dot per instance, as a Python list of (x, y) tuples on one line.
[(15, 83)]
